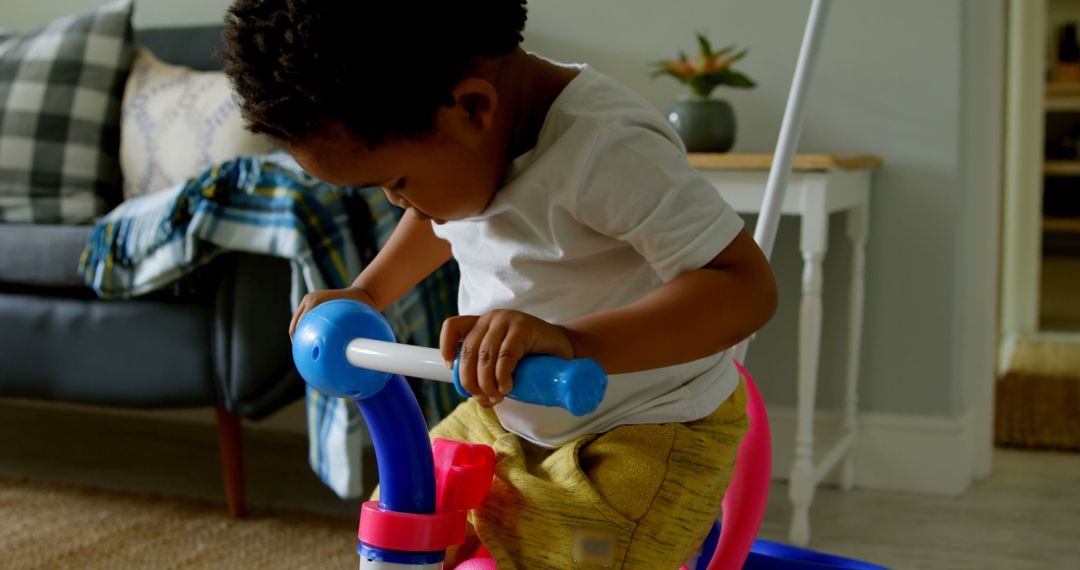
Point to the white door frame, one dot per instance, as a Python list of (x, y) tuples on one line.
[(979, 221), (1021, 257), (1021, 217)]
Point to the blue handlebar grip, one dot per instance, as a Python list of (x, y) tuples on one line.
[(578, 385)]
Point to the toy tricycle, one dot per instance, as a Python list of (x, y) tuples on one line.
[(346, 349)]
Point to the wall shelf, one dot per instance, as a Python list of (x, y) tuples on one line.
[(1061, 168), (1063, 97), (1061, 225)]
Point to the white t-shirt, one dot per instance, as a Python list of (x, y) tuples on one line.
[(603, 211)]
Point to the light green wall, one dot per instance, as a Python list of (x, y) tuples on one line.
[(25, 15), (888, 83)]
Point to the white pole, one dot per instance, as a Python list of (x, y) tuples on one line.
[(788, 141), (394, 358)]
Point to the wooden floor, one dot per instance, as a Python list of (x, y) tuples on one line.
[(1025, 516)]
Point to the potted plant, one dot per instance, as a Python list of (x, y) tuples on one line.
[(704, 123)]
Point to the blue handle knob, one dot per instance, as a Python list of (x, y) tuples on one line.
[(319, 344), (575, 385)]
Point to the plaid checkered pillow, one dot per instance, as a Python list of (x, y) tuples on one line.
[(60, 93)]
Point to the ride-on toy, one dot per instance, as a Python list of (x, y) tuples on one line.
[(346, 349)]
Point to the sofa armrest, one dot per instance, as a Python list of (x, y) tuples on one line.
[(251, 349)]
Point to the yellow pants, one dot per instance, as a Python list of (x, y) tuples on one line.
[(638, 496)]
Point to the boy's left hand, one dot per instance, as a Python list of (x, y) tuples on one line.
[(491, 346)]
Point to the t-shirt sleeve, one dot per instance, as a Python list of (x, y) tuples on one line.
[(637, 187)]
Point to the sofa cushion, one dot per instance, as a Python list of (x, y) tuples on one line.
[(132, 353), (60, 93), (41, 255), (177, 122), (191, 46)]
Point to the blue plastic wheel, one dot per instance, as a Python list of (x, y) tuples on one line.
[(768, 555)]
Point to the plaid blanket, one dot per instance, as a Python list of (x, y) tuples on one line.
[(269, 205)]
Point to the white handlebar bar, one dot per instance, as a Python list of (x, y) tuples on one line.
[(393, 358)]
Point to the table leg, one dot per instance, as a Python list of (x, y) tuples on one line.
[(814, 242), (857, 229)]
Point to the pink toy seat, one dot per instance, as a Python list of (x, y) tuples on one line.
[(478, 564), (748, 492), (482, 560)]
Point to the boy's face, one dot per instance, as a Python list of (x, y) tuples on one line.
[(441, 177)]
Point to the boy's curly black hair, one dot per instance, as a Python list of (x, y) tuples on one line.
[(380, 68)]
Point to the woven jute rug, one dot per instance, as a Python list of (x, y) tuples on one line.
[(1038, 400), (53, 526)]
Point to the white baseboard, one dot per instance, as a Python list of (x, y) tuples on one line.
[(922, 454)]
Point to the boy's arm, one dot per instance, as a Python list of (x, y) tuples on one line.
[(697, 314), (411, 254)]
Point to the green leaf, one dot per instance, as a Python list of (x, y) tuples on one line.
[(669, 73), (704, 45), (736, 79), (702, 85), (738, 56), (726, 50)]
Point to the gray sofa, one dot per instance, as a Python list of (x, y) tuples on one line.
[(216, 338)]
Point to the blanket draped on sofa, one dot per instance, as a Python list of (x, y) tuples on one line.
[(268, 205)]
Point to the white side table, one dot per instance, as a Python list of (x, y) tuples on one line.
[(819, 186)]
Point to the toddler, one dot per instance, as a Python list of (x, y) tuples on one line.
[(580, 231)]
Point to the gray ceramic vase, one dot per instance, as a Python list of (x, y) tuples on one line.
[(705, 125)]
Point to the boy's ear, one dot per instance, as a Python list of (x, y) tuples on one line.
[(474, 104)]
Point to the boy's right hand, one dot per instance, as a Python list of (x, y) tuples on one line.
[(315, 298)]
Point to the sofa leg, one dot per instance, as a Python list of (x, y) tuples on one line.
[(232, 461)]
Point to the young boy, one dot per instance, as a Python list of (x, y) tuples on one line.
[(580, 231)]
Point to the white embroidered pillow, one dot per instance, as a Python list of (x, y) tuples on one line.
[(175, 123)]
